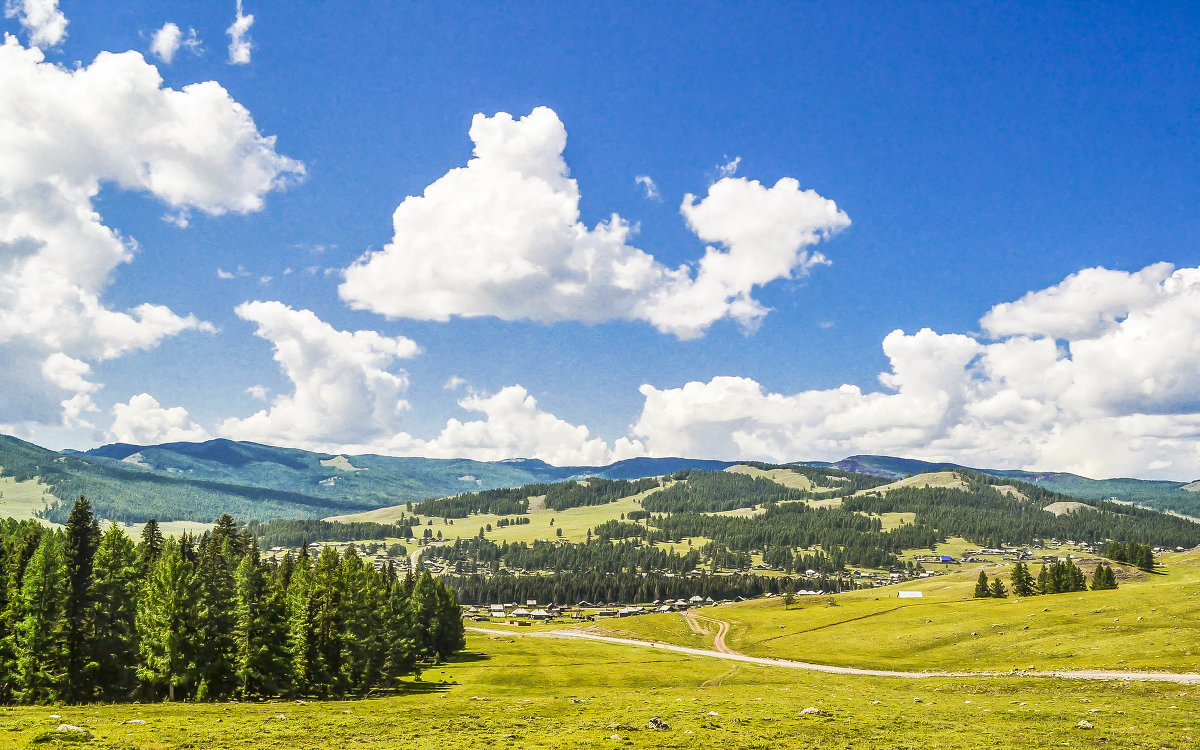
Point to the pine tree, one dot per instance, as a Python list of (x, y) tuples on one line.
[(166, 622), (425, 607), (1045, 585), (1022, 581), (40, 637), (1104, 578), (363, 645), (149, 548), (115, 587), (23, 543), (326, 667), (997, 588), (981, 586), (82, 538), (217, 613), (451, 635), (260, 659), (400, 656), (301, 638)]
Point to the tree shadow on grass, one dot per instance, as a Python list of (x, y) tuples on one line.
[(469, 657)]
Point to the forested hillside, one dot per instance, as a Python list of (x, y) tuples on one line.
[(89, 615)]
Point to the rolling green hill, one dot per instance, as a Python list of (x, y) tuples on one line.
[(199, 481), (1157, 494)]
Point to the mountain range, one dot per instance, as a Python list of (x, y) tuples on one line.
[(198, 481)]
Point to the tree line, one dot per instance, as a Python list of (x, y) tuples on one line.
[(621, 588), (1059, 577), (295, 532), (87, 616)]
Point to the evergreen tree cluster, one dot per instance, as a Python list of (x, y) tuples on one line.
[(1060, 577), (1138, 555), (594, 491), (698, 491), (87, 616), (295, 532)]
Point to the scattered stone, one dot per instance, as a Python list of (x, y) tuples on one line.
[(510, 736), (812, 711), (713, 713), (1085, 700), (134, 721), (917, 700), (1094, 710), (657, 723), (615, 737), (1084, 724), (55, 716), (281, 717), (300, 702), (737, 721), (71, 729), (876, 703)]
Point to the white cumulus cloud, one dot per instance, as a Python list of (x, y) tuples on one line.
[(344, 387), (166, 42), (143, 421), (239, 39), (65, 132), (502, 237), (1096, 375), (41, 19)]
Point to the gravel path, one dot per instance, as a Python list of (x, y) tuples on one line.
[(1083, 674)]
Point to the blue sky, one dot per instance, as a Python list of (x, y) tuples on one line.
[(976, 155)]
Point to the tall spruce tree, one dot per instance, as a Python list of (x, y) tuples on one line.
[(997, 589), (216, 641), (301, 638), (41, 644), (981, 586), (23, 541), (401, 655), (326, 595), (82, 538), (115, 586), (259, 631), (363, 644), (166, 623), (149, 548), (1022, 581), (451, 635)]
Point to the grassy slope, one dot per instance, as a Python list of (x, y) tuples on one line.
[(519, 692), (22, 500), (1149, 624)]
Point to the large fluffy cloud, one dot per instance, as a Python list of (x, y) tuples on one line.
[(143, 421), (344, 388), (514, 427), (42, 20), (502, 237), (347, 396), (64, 134), (1096, 375)]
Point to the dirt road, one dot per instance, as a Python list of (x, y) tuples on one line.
[(1085, 674), (722, 631)]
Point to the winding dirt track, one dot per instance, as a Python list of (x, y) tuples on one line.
[(722, 631), (1084, 674)]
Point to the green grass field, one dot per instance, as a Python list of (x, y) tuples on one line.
[(22, 500), (523, 692), (1148, 624)]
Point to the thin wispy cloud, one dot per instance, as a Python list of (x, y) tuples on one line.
[(239, 39)]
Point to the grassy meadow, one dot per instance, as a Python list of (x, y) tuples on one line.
[(1151, 623), (527, 692), (23, 500)]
